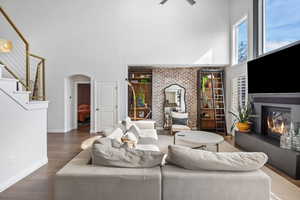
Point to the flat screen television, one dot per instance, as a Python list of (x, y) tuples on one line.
[(278, 72)]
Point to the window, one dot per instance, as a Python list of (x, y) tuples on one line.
[(281, 23), (240, 42), (239, 91)]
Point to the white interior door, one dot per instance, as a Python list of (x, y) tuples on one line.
[(106, 107)]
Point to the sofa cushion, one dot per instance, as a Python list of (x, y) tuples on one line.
[(177, 127), (148, 140), (183, 184), (147, 147), (149, 133), (79, 180), (135, 130), (204, 160), (145, 124), (104, 154)]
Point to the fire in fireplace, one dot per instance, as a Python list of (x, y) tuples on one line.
[(275, 121)]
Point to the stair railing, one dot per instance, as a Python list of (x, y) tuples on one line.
[(23, 74), (39, 84)]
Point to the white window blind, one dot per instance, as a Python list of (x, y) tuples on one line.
[(239, 92)]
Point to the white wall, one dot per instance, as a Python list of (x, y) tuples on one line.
[(23, 140), (101, 37), (238, 9)]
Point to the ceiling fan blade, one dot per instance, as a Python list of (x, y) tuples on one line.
[(192, 2), (163, 2)]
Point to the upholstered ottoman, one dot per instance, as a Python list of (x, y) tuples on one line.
[(79, 180), (182, 184)]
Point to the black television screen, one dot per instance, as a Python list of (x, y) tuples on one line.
[(278, 72)]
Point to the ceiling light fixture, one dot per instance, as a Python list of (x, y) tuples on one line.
[(192, 2), (5, 46)]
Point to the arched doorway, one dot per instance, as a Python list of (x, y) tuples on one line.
[(78, 102)]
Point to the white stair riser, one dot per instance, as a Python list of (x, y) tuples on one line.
[(9, 86), (1, 71), (22, 97)]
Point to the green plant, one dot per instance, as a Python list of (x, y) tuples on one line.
[(243, 115), (204, 82)]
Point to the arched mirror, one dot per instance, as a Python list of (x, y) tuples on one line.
[(174, 101)]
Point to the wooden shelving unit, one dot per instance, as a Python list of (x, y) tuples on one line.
[(211, 100), (141, 80)]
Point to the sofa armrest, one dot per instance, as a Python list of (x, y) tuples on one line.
[(145, 124)]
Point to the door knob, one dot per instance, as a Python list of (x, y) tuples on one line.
[(97, 109)]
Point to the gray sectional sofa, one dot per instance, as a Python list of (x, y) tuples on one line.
[(79, 180)]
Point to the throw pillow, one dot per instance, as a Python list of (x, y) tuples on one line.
[(104, 154), (116, 134), (127, 122), (180, 121), (204, 160), (135, 130), (130, 139)]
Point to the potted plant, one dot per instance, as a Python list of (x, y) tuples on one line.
[(242, 118)]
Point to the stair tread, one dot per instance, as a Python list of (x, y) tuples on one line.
[(22, 92), (38, 102), (8, 79)]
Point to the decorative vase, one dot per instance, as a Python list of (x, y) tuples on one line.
[(295, 133), (286, 141), (296, 143), (243, 127)]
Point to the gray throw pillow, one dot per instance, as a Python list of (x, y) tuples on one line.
[(204, 160), (105, 154), (180, 121)]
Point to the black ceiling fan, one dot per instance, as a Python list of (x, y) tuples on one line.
[(192, 2)]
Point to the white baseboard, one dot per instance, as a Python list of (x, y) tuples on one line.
[(57, 131), (22, 174)]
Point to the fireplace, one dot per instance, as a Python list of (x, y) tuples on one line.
[(275, 121)]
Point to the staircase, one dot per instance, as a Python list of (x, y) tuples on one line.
[(12, 88), (18, 62), (23, 109)]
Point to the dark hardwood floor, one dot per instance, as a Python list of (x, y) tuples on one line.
[(39, 185), (61, 149)]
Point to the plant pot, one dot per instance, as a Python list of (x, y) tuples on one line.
[(243, 127)]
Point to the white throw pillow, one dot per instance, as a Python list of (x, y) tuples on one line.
[(128, 122), (135, 130), (117, 134), (204, 160), (131, 137)]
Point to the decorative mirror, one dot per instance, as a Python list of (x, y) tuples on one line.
[(174, 101)]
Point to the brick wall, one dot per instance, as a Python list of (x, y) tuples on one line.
[(163, 77)]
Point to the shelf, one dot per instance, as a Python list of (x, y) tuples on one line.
[(140, 78), (214, 97), (212, 108), (140, 83), (141, 108)]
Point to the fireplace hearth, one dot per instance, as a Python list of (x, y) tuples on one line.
[(275, 121)]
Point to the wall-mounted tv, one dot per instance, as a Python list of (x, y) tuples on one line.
[(278, 72)]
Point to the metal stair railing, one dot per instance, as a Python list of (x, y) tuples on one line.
[(17, 63)]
